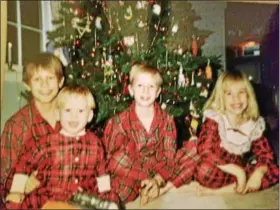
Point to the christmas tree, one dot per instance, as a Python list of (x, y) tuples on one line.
[(100, 40)]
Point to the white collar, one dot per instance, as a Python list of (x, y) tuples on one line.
[(236, 141)]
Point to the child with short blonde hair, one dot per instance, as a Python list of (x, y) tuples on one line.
[(232, 128), (141, 141), (43, 77), (67, 162)]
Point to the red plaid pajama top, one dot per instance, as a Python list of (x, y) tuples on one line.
[(212, 154), (134, 154), (23, 126), (64, 165)]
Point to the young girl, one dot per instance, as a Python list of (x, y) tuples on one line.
[(233, 129)]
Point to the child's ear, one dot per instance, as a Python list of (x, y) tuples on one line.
[(158, 92), (130, 90), (90, 116), (27, 87), (61, 82)]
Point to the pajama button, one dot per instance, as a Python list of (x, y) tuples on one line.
[(77, 159)]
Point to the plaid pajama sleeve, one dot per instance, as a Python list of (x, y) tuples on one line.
[(10, 146), (264, 155)]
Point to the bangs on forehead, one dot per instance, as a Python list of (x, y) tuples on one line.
[(230, 81), (41, 68)]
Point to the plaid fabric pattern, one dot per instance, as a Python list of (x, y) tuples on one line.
[(211, 154), (23, 126), (186, 162), (134, 154), (64, 165)]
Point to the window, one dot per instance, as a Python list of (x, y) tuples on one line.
[(28, 22)]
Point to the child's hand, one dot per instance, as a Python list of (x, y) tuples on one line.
[(32, 183), (255, 181), (149, 191), (159, 179), (15, 197), (166, 188)]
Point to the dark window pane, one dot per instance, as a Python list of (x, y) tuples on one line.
[(12, 37), (31, 44), (12, 11), (30, 13)]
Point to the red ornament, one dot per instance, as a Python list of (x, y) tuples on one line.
[(77, 43), (125, 87), (151, 2)]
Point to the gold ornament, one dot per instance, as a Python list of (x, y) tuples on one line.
[(208, 70), (128, 13)]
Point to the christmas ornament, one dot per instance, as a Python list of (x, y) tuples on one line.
[(179, 50), (208, 70), (76, 25), (125, 87), (194, 46), (175, 28), (141, 4), (128, 41), (98, 22), (141, 24), (128, 13), (181, 76), (156, 9), (187, 81), (192, 82), (198, 84), (163, 106), (121, 3), (204, 92), (195, 117), (108, 68)]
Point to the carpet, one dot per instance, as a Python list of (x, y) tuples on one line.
[(180, 199)]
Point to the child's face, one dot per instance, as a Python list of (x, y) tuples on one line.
[(144, 89), (235, 98), (44, 86), (75, 115)]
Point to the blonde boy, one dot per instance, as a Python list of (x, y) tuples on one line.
[(68, 161), (141, 141)]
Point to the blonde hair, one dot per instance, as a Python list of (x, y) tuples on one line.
[(216, 102), (43, 61), (68, 91), (143, 68)]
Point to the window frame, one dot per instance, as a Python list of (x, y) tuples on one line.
[(46, 25)]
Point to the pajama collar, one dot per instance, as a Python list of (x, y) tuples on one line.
[(236, 140)]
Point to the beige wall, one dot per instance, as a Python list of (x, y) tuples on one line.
[(212, 15)]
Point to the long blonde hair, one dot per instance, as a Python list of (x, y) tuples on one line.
[(216, 102)]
